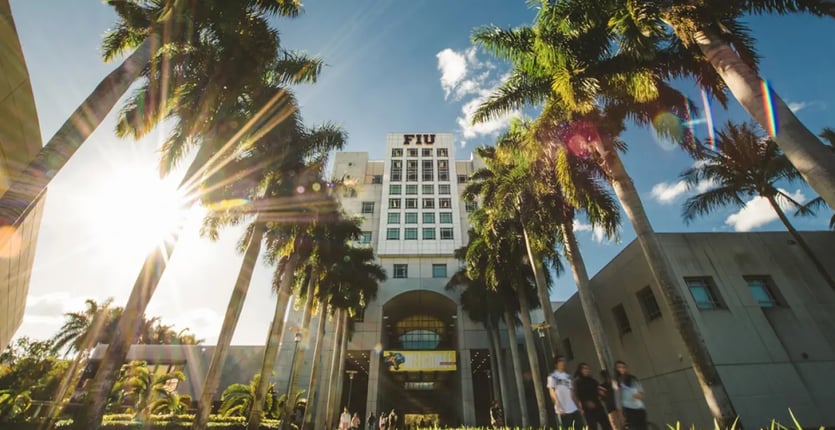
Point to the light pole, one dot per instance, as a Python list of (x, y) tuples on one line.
[(540, 330), (288, 407), (351, 374)]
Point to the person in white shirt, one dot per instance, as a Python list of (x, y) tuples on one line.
[(345, 420), (560, 386), (633, 411)]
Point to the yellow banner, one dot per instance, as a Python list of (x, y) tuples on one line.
[(419, 361)]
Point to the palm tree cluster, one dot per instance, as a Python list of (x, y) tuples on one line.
[(592, 68), (217, 75)]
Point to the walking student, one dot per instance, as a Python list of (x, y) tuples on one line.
[(585, 390), (372, 421), (561, 390), (345, 419), (607, 393), (632, 398), (496, 415)]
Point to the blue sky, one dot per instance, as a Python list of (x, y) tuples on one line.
[(391, 66)]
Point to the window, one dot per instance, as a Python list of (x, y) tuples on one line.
[(365, 238), (443, 189), (442, 152), (649, 304), (367, 207), (394, 203), (411, 170), (411, 217), (462, 179), (411, 203), (429, 218), (566, 346), (439, 270), (444, 203), (394, 218), (621, 320), (396, 152), (428, 173), (426, 152), (443, 170), (446, 233), (470, 206), (377, 179), (393, 234), (429, 233), (411, 189), (704, 293), (762, 288), (446, 217), (429, 203), (401, 271), (396, 170), (395, 189), (411, 152), (428, 189), (410, 233)]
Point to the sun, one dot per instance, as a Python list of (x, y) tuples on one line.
[(137, 209)]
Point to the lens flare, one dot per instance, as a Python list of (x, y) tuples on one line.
[(316, 187), (709, 118), (768, 107), (668, 130), (228, 204), (300, 189)]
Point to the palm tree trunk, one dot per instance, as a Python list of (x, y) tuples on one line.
[(714, 391), (588, 301), (337, 342), (31, 183), (126, 331), (542, 292), (517, 368), (811, 158), (340, 368), (494, 366), (69, 378), (298, 364), (533, 356), (803, 245), (500, 368), (230, 322), (273, 341), (314, 367)]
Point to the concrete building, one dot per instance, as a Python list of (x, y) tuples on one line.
[(20, 141), (765, 314)]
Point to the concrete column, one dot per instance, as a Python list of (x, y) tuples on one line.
[(467, 401), (371, 404)]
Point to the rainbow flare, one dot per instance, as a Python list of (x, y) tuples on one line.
[(709, 119), (768, 107), (688, 120)]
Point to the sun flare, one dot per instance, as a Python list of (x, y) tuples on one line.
[(137, 208)]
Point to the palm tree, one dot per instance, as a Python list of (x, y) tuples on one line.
[(236, 400), (145, 27), (588, 91), (745, 163), (521, 169), (294, 144), (261, 108)]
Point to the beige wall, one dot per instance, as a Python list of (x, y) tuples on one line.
[(20, 140), (770, 359)]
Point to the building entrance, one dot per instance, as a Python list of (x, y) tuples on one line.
[(419, 368)]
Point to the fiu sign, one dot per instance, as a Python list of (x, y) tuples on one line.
[(419, 139)]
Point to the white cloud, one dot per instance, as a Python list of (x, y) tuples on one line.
[(597, 233), (797, 106), (464, 77), (666, 192), (758, 212), (453, 67)]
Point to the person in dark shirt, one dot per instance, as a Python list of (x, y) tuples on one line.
[(607, 393), (496, 415), (585, 389)]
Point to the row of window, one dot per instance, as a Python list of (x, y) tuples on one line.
[(428, 170), (428, 203), (411, 233), (424, 152), (411, 203), (705, 295), (412, 218), (401, 271), (412, 189)]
